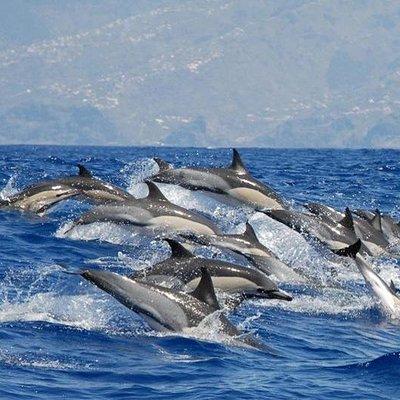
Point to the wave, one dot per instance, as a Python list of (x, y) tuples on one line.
[(386, 367)]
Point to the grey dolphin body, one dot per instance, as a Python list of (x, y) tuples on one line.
[(333, 235), (373, 237), (233, 181), (152, 211), (167, 310), (228, 277), (248, 245), (383, 222), (40, 196), (387, 295)]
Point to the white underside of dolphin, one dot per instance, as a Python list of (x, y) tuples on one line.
[(388, 300)]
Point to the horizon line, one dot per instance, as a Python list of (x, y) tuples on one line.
[(196, 147)]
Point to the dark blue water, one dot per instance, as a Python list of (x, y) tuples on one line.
[(61, 337)]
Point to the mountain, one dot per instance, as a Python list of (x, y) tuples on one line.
[(283, 73)]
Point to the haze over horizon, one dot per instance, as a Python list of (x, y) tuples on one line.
[(281, 73)]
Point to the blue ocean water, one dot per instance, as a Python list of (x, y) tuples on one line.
[(63, 338)]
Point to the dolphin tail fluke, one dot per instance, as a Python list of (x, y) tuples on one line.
[(177, 250), (350, 251), (162, 164), (84, 172), (205, 290), (237, 163)]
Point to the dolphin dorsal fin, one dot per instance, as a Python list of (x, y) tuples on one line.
[(84, 172), (249, 233), (205, 290), (350, 251), (347, 221), (376, 222), (177, 250), (162, 164), (392, 287), (154, 192), (237, 164)]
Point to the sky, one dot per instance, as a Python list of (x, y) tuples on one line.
[(283, 73)]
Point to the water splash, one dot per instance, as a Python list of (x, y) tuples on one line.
[(10, 188)]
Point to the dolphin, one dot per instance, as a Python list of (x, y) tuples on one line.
[(40, 196), (387, 295), (227, 277), (167, 310), (335, 235), (234, 181), (382, 222), (153, 211), (372, 235), (365, 214), (248, 245)]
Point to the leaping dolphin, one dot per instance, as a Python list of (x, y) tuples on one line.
[(40, 196), (231, 278), (153, 211), (168, 310), (387, 295), (234, 181)]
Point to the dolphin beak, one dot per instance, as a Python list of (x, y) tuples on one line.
[(261, 293), (280, 295)]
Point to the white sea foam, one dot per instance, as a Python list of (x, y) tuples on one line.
[(82, 311), (327, 301), (10, 188), (209, 330), (41, 361)]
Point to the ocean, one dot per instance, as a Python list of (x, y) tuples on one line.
[(61, 337)]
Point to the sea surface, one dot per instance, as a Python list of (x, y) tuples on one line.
[(61, 337)]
